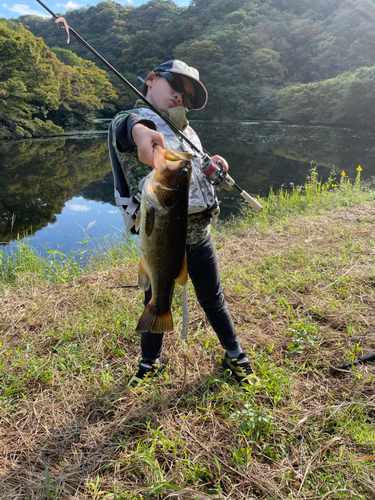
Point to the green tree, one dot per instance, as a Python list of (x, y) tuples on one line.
[(348, 99), (28, 82), (36, 87), (200, 54), (267, 68), (263, 44), (143, 45)]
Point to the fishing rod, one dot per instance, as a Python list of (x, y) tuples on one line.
[(216, 174), (365, 359)]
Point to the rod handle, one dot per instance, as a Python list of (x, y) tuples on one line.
[(256, 206)]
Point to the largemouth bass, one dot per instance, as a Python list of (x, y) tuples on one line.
[(162, 222)]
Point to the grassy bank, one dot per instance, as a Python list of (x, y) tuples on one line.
[(299, 279)]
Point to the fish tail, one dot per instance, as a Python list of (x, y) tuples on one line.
[(154, 322)]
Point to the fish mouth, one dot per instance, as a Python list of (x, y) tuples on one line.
[(176, 155)]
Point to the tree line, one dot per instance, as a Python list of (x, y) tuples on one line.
[(266, 59), (43, 91), (348, 99)]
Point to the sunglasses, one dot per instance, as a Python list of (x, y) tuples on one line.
[(177, 84)]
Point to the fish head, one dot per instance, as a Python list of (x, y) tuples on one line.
[(172, 168)]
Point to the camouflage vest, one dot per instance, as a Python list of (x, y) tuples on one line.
[(202, 194), (130, 172)]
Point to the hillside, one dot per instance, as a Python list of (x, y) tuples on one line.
[(41, 95), (246, 51)]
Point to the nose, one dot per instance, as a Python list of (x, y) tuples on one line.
[(178, 96)]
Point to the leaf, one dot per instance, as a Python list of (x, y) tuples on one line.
[(90, 225)]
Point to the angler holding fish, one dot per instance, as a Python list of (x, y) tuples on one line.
[(137, 139)]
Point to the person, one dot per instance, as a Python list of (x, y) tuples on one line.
[(174, 88)]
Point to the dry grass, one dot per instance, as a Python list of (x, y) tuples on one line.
[(302, 297)]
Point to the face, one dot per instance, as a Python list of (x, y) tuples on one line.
[(162, 95)]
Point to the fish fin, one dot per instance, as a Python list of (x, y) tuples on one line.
[(151, 321), (150, 220), (138, 221), (183, 276), (143, 278)]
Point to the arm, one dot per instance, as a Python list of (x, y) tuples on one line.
[(135, 131), (123, 131)]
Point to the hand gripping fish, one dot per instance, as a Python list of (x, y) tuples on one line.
[(162, 223)]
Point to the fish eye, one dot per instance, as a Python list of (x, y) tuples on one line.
[(183, 172)]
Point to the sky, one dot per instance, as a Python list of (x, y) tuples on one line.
[(13, 9)]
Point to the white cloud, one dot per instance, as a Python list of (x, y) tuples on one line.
[(79, 208), (4, 5), (22, 9), (69, 5)]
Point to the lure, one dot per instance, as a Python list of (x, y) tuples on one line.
[(62, 20)]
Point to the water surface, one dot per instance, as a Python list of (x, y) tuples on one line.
[(59, 191)]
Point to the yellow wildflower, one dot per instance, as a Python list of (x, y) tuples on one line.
[(359, 168)]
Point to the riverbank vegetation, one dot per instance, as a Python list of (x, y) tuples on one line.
[(39, 94), (246, 53), (299, 281)]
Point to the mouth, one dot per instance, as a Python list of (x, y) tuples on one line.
[(174, 103)]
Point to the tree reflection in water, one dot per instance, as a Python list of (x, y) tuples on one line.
[(38, 177)]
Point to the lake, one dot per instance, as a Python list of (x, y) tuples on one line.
[(59, 191)]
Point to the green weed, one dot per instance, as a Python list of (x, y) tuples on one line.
[(301, 298)]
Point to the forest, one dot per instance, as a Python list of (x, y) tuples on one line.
[(39, 94), (299, 61)]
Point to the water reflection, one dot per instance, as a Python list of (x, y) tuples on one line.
[(39, 176), (271, 154), (82, 224), (41, 180)]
